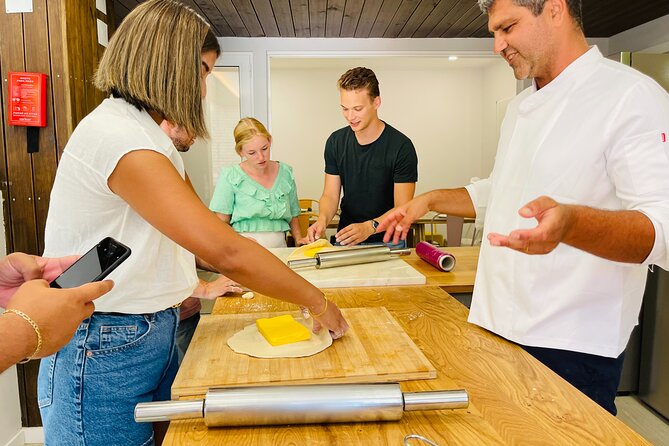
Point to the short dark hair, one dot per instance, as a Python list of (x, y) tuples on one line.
[(211, 43), (360, 78), (537, 7)]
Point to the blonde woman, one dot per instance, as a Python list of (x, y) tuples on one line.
[(121, 176), (258, 196)]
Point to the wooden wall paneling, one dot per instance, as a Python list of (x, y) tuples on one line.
[(349, 23), (284, 17), (433, 18), (75, 63), (317, 14), (419, 15), (19, 163), (20, 215), (231, 15), (386, 14), (449, 19), (369, 12), (111, 18), (300, 12), (91, 54), (248, 16), (265, 15), (399, 20), (45, 161), (334, 17), (129, 4), (4, 94), (463, 21), (215, 17)]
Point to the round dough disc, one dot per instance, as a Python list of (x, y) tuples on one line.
[(250, 342)]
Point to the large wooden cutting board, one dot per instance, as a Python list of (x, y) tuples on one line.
[(375, 349)]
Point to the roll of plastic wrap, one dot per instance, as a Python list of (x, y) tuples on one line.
[(444, 261)]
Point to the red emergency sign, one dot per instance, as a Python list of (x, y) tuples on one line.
[(27, 99)]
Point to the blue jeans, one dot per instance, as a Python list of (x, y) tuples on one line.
[(87, 392)]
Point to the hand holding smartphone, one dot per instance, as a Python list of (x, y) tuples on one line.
[(93, 266)]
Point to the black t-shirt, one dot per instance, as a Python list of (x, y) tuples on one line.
[(368, 172)]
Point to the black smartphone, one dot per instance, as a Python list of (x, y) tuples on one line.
[(93, 266)]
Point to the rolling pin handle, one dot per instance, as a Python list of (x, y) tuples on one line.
[(436, 400), (169, 410), (302, 263), (400, 251)]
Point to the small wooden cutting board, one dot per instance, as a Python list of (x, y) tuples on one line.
[(375, 349)]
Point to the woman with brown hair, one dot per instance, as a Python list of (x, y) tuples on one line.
[(122, 176)]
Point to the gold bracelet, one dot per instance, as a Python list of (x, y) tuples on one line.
[(324, 309), (35, 327)]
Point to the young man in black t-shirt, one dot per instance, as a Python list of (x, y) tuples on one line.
[(374, 164)]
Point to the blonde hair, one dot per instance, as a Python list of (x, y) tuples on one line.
[(246, 129), (153, 61)]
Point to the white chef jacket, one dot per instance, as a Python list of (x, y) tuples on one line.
[(83, 210), (595, 136)]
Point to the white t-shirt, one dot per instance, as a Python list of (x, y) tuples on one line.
[(593, 136), (83, 210)]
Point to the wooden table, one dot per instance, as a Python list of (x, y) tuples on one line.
[(514, 399), (459, 280)]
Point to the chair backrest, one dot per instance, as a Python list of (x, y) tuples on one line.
[(309, 205)]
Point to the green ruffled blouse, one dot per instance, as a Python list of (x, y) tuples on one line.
[(254, 208)]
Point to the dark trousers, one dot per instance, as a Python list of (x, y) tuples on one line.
[(596, 376)]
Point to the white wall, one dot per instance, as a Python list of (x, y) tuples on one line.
[(437, 103), (498, 89)]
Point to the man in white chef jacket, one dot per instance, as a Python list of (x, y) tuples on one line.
[(577, 204)]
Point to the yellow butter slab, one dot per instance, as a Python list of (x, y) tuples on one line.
[(282, 330)]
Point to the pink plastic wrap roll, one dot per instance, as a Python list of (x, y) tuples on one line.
[(444, 261)]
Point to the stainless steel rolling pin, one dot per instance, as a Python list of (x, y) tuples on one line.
[(301, 404), (350, 256)]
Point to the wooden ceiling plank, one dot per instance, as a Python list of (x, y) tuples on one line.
[(229, 12), (284, 17), (352, 13), (369, 13), (608, 21), (214, 16), (434, 17), (249, 17), (266, 16), (195, 7), (399, 20), (419, 15), (473, 27), (300, 11), (333, 18), (449, 19), (462, 21), (482, 32), (386, 14), (317, 14)]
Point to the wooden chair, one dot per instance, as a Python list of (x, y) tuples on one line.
[(309, 209), (309, 205)]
